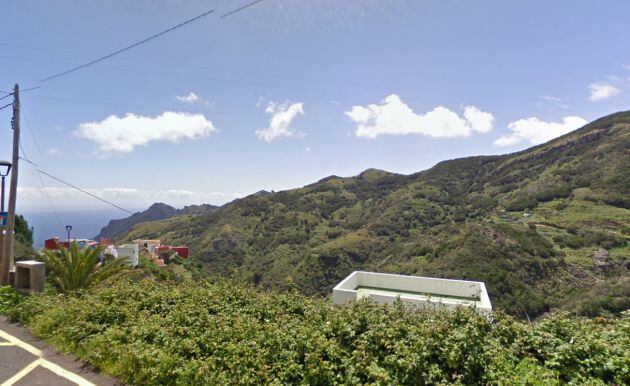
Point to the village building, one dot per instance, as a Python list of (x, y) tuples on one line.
[(416, 290), (151, 249)]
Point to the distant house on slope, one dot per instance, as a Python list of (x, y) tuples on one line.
[(420, 291)]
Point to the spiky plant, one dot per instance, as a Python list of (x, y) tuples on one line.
[(76, 268)]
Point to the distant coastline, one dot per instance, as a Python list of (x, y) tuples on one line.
[(85, 222)]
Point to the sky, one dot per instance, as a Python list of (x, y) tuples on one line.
[(287, 92)]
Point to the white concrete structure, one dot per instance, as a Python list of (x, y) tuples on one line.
[(30, 276), (111, 250), (421, 291), (130, 251)]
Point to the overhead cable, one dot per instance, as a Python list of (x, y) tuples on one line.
[(128, 47), (150, 38), (21, 91), (43, 189), (75, 187), (239, 9), (30, 129)]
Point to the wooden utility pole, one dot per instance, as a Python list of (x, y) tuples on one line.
[(7, 253)]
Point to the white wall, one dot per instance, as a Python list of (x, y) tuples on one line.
[(346, 291), (130, 251)]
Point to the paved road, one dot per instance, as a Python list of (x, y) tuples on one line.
[(25, 360)]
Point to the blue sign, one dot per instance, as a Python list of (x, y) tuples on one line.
[(3, 219)]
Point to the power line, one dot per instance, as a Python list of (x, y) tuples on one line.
[(437, 97), (21, 91), (128, 47), (165, 107), (150, 38), (44, 189), (418, 96), (239, 9), (29, 89), (7, 105), (83, 191), (30, 129), (75, 187)]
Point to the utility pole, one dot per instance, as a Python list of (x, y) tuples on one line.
[(7, 251)]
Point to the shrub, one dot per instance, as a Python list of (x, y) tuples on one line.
[(9, 298), (548, 193), (73, 268), (163, 333), (520, 204)]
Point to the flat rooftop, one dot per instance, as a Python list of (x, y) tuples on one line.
[(418, 290), (365, 292)]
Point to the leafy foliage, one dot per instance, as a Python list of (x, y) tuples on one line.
[(152, 332), (9, 298), (23, 241), (73, 268), (23, 233)]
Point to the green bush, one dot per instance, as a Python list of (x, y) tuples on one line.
[(163, 333), (23, 233), (521, 204), (77, 268), (9, 298), (548, 193)]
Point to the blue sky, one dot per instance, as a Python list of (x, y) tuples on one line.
[(288, 92)]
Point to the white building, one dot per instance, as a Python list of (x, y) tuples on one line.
[(130, 251), (421, 291)]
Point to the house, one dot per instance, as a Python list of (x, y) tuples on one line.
[(181, 250), (54, 243), (130, 251), (152, 249), (416, 290)]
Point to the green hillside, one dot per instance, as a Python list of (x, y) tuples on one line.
[(545, 227)]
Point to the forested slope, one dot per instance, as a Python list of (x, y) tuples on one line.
[(545, 227)]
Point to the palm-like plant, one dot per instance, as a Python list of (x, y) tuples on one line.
[(74, 268)]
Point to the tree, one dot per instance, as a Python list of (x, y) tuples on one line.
[(74, 268), (23, 233)]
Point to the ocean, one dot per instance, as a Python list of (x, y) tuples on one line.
[(85, 223)]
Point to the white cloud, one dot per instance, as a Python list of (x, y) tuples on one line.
[(394, 117), (190, 98), (626, 66), (121, 134), (536, 131), (599, 91), (126, 197), (282, 115), (479, 121), (54, 152)]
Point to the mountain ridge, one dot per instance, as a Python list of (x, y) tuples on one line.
[(479, 218), (157, 211)]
